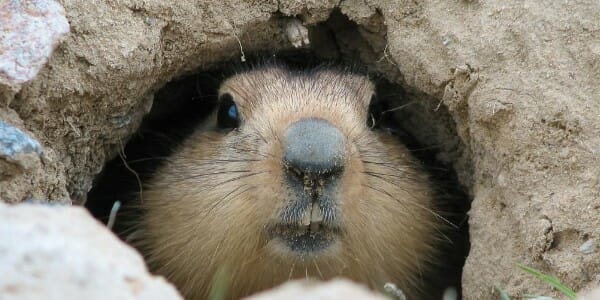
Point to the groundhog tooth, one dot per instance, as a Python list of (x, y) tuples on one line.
[(306, 218), (315, 213), (302, 229), (314, 227)]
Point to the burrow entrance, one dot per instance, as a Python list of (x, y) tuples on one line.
[(415, 117)]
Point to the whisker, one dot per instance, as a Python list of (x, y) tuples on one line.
[(318, 270), (237, 178), (215, 173), (386, 165), (292, 270), (413, 203), (403, 176), (232, 195), (148, 159), (400, 107)]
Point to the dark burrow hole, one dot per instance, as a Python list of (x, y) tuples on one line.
[(414, 117)]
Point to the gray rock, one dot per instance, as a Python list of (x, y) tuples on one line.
[(14, 142), (61, 252), (588, 247), (18, 151)]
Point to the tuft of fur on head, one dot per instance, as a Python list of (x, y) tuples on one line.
[(208, 208)]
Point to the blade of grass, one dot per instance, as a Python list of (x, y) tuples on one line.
[(503, 294), (220, 286), (537, 297), (553, 281)]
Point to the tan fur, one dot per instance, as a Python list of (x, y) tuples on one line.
[(207, 208)]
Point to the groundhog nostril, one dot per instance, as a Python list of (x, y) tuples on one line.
[(314, 147)]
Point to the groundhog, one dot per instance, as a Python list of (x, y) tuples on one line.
[(287, 179)]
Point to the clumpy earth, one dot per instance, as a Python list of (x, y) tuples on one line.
[(508, 90)]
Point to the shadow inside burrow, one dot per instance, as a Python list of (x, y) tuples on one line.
[(182, 104)]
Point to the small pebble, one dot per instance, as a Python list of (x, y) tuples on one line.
[(450, 294), (588, 247), (394, 291), (14, 141)]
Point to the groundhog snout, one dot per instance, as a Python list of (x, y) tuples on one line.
[(314, 155), (314, 148)]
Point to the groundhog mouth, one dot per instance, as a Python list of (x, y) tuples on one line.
[(305, 239), (308, 234)]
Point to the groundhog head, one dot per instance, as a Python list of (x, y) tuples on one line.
[(287, 180)]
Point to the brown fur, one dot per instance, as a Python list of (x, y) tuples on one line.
[(206, 210)]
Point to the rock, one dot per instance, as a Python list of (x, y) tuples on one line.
[(297, 33), (590, 295), (29, 32), (27, 171), (61, 252), (337, 289), (18, 151)]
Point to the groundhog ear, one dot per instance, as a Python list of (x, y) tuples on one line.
[(365, 91)]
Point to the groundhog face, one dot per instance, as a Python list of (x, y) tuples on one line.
[(287, 180)]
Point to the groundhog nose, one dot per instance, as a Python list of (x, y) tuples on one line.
[(314, 147)]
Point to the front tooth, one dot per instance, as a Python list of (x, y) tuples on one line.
[(306, 218), (314, 227), (302, 229), (315, 217), (315, 213)]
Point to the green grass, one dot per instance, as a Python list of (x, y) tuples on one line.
[(551, 280), (503, 294), (220, 286)]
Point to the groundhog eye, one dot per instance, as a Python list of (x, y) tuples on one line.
[(232, 112), (227, 115)]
